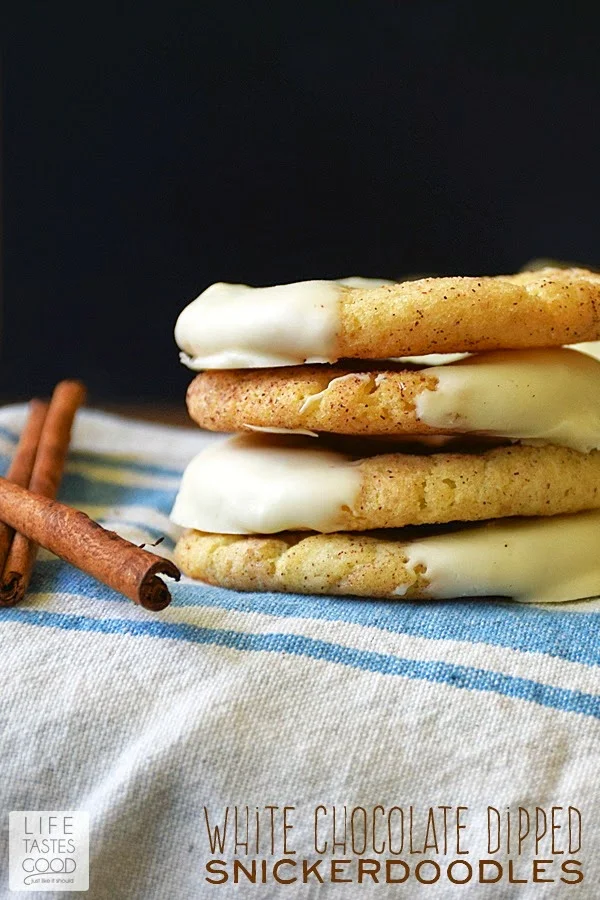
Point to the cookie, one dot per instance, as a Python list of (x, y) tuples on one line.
[(551, 395), (234, 326), (543, 560), (259, 484)]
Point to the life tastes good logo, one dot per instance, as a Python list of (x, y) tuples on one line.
[(458, 845), (49, 850)]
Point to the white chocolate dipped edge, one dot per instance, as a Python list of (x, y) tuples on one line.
[(250, 484), (234, 326), (551, 396), (532, 560)]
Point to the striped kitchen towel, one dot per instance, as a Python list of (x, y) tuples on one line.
[(419, 749)]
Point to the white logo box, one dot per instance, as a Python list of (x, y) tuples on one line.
[(49, 850)]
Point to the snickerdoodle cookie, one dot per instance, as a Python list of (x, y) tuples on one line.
[(538, 560), (235, 326), (259, 484), (551, 395)]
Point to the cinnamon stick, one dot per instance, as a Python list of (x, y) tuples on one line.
[(78, 540), (45, 479), (21, 465)]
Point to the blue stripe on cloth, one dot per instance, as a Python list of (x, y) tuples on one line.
[(8, 435), (571, 636), (51, 576), (79, 490), (459, 676), (119, 462), (104, 460)]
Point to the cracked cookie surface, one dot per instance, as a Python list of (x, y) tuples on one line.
[(340, 399), (359, 564)]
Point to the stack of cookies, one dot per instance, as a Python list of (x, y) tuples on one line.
[(364, 465)]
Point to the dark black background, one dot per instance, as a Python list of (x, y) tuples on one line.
[(151, 151)]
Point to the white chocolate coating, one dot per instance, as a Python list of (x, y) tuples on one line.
[(253, 484), (358, 281), (433, 359), (592, 348), (272, 429), (552, 396), (532, 560), (233, 326)]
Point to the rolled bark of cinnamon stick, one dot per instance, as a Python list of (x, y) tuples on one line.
[(72, 535), (45, 479), (22, 464)]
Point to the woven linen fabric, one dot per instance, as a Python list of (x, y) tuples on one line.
[(231, 699)]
